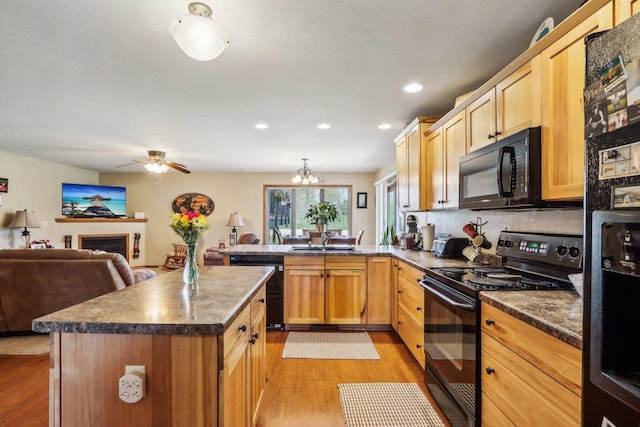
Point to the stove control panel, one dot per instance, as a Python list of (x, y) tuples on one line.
[(557, 249)]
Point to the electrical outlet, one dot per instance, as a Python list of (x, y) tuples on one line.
[(132, 385)]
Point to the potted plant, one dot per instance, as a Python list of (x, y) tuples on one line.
[(322, 214)]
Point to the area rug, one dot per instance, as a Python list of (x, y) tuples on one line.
[(25, 345), (329, 345), (386, 405)]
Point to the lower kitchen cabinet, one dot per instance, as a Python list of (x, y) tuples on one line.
[(258, 352), (528, 376), (325, 290), (379, 290), (410, 298)]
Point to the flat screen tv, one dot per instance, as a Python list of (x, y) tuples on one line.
[(93, 201)]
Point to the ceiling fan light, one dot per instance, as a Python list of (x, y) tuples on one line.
[(198, 36), (154, 167)]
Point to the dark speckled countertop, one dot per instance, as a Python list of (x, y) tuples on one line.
[(161, 306), (558, 313)]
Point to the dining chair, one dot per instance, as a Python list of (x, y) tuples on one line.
[(341, 240)]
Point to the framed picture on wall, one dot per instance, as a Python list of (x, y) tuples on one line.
[(361, 200), (4, 185)]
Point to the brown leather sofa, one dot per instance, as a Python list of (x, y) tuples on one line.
[(35, 282)]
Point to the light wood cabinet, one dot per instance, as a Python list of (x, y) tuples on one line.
[(408, 155), (624, 9), (562, 83), (511, 106), (379, 290), (258, 352), (395, 264), (325, 290), (304, 290), (410, 297), (443, 148), (235, 376), (528, 376)]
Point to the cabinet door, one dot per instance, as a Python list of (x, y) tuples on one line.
[(258, 351), (402, 168), (379, 290), (624, 9), (346, 296), (304, 296), (481, 119), (518, 99), (394, 293), (413, 169), (433, 171), (562, 73), (454, 137), (235, 386)]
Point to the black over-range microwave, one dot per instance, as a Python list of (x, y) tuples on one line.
[(503, 174)]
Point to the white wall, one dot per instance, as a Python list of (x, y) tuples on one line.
[(36, 185), (231, 192)]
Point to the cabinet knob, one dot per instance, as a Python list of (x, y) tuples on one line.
[(419, 308), (252, 341), (256, 335), (489, 322), (491, 136), (243, 328), (261, 300), (399, 322), (399, 292), (490, 370), (498, 133), (418, 346)]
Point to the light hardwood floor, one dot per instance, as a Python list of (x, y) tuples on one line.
[(299, 392)]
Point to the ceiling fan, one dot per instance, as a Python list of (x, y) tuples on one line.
[(157, 164)]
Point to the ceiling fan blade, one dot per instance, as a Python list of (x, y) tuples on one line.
[(177, 166), (135, 162)]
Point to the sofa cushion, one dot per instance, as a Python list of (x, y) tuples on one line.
[(120, 263)]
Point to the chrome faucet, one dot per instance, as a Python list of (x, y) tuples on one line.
[(324, 236)]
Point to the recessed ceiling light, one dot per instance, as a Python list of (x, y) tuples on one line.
[(324, 126), (262, 126), (384, 126), (413, 87)]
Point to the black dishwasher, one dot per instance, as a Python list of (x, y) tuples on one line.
[(275, 285)]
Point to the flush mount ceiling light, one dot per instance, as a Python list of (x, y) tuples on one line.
[(305, 175), (324, 126), (413, 87), (384, 126), (262, 126), (197, 35)]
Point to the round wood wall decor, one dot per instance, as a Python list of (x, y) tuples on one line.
[(193, 202)]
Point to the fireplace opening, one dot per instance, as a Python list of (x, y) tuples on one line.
[(117, 243)]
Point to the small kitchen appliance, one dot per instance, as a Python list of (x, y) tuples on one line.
[(452, 311), (446, 246)]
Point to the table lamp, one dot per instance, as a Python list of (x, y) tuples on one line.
[(26, 219), (235, 220)]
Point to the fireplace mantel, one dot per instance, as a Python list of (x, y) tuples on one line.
[(96, 220)]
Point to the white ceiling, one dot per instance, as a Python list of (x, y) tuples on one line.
[(94, 83)]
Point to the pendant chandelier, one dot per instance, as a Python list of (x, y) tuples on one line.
[(305, 175)]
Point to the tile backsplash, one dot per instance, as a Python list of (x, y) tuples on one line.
[(562, 221)]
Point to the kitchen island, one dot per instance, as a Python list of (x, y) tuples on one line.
[(196, 349)]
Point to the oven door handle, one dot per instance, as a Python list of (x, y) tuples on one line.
[(456, 304)]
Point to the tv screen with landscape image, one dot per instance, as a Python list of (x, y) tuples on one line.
[(93, 201)]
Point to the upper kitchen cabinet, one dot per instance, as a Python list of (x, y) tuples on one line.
[(511, 106), (442, 149), (624, 9), (408, 163), (562, 66)]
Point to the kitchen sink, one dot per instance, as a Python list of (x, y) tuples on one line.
[(316, 248)]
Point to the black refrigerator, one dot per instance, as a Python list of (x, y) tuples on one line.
[(611, 344)]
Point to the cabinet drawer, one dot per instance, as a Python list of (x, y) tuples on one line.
[(526, 395), (259, 304), (409, 273), (304, 262), (557, 358), (346, 263), (236, 336), (411, 298), (412, 333), (492, 416)]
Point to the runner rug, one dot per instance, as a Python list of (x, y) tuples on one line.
[(329, 345), (386, 405), (25, 345)]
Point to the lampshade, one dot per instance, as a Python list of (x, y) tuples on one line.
[(235, 220), (26, 219), (197, 35), (305, 175)]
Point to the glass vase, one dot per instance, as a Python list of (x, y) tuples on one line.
[(190, 273)]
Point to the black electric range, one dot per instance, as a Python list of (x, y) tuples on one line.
[(452, 312), (530, 262)]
